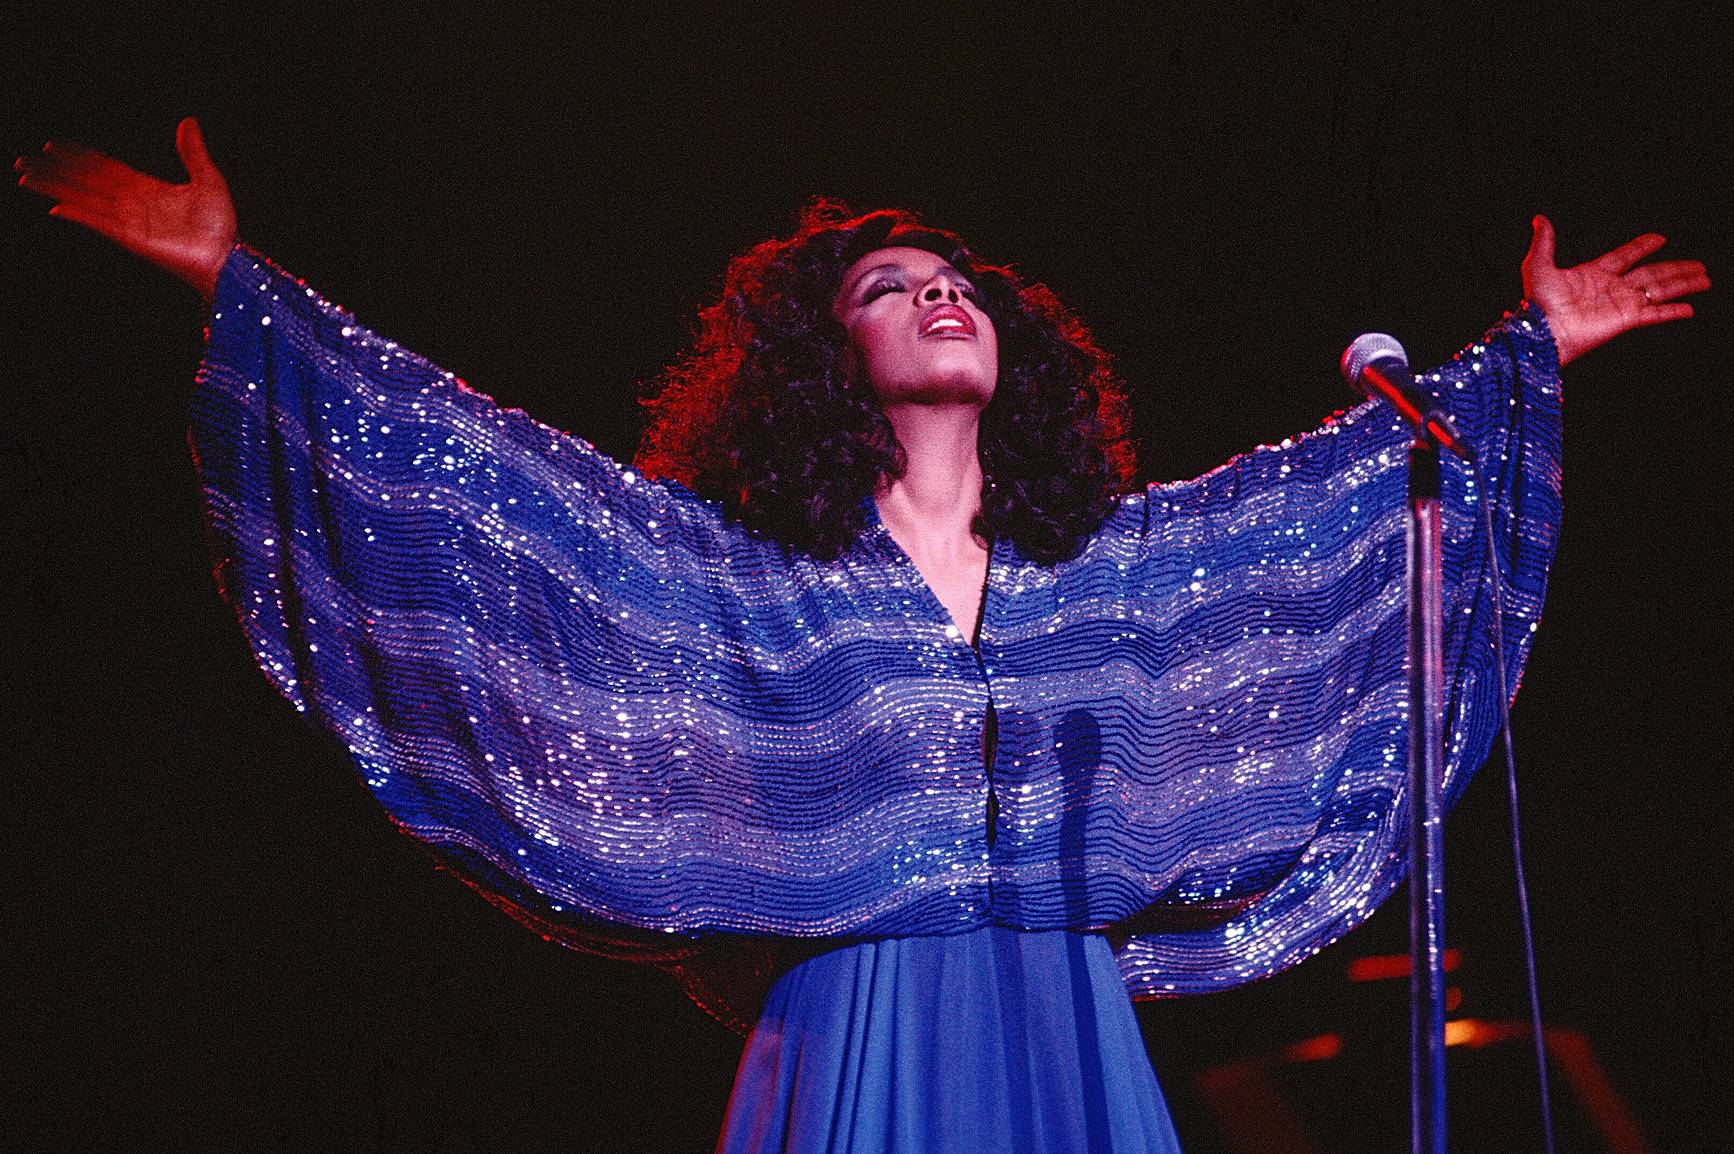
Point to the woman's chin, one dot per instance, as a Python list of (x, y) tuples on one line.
[(947, 390)]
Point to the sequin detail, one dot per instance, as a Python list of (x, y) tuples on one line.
[(640, 728)]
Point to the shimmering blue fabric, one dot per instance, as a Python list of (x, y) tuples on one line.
[(638, 727), (994, 1039)]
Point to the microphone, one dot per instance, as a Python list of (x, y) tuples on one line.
[(1376, 366)]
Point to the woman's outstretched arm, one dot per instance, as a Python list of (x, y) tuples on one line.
[(1284, 570), (187, 229), (498, 622)]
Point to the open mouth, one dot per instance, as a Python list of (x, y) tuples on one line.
[(948, 321)]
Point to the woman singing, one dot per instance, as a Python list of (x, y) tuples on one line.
[(875, 703)]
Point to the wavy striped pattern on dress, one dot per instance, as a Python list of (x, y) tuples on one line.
[(638, 727)]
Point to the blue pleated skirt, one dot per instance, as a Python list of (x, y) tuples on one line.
[(991, 1040)]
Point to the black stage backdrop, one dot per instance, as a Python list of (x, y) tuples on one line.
[(216, 940)]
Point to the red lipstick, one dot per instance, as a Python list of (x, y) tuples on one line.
[(947, 321)]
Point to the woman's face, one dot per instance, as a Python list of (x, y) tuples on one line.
[(915, 333)]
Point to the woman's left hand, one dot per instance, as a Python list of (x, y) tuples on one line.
[(1594, 302)]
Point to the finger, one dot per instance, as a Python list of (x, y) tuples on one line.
[(47, 184), (75, 157), (68, 149), (1662, 314), (85, 166), (44, 165), (1678, 283), (190, 145), (1665, 269), (1540, 243), (55, 185), (1675, 272), (1630, 253), (35, 170), (89, 216), (1668, 279)]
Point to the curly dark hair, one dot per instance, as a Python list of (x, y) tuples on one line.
[(759, 415)]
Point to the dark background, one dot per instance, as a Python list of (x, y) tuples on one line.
[(219, 943)]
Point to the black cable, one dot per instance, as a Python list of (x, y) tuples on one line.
[(1483, 499)]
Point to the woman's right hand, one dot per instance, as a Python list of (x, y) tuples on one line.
[(187, 229)]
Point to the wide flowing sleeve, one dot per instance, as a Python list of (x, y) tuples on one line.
[(480, 608), (1277, 727)]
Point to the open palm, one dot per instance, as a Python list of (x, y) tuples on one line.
[(187, 229), (1591, 303)]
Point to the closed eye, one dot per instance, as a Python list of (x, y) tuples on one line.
[(880, 288), (883, 287)]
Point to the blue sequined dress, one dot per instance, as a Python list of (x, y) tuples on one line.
[(642, 730)]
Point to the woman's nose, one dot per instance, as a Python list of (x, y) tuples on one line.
[(939, 288)]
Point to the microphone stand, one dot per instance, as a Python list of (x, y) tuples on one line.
[(1376, 366), (1427, 802)]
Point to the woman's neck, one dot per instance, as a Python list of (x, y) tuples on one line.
[(931, 507)]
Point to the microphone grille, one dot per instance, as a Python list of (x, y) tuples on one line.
[(1367, 348)]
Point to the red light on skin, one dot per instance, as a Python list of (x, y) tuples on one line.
[(1314, 1049), (1380, 967)]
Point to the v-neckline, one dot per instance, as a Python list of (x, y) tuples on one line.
[(935, 606)]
